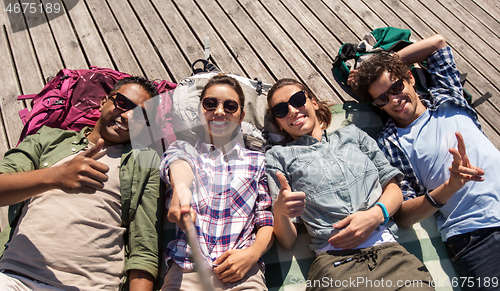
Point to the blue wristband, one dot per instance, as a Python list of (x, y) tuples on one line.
[(384, 211)]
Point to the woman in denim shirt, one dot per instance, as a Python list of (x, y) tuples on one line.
[(344, 190)]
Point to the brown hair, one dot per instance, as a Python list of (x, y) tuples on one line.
[(222, 79), (323, 113), (370, 70)]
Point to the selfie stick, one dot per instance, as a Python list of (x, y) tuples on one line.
[(196, 255)]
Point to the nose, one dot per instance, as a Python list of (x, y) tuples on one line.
[(220, 109), (292, 110), (393, 98), (125, 115)]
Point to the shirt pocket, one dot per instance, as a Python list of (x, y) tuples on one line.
[(242, 197)]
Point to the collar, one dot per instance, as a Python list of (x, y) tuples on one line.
[(81, 137), (233, 149), (307, 140)]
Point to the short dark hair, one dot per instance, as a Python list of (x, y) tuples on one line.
[(323, 113), (371, 69), (147, 85), (222, 79)]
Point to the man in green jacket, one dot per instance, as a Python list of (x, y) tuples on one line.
[(84, 206)]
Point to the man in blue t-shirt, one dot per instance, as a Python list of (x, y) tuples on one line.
[(435, 143)]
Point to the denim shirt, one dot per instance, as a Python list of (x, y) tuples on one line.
[(340, 175)]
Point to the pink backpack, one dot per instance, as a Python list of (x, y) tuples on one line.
[(71, 100)]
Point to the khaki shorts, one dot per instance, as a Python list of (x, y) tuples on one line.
[(385, 267), (180, 279)]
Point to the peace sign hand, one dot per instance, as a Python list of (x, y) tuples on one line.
[(461, 170)]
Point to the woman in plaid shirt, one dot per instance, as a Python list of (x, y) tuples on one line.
[(230, 203)]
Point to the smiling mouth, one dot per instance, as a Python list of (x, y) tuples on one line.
[(218, 123), (401, 107), (121, 126), (298, 120)]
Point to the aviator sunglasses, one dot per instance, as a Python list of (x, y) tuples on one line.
[(211, 103), (123, 103), (395, 89), (297, 100)]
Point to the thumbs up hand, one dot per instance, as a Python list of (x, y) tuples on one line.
[(290, 204)]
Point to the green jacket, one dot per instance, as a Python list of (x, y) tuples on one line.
[(139, 182)]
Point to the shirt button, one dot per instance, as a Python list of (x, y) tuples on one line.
[(332, 162), (341, 183), (73, 149), (45, 164)]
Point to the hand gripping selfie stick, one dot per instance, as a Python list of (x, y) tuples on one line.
[(196, 255)]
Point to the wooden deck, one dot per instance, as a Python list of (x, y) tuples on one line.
[(269, 39)]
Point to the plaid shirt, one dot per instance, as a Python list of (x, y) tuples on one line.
[(230, 196), (445, 87)]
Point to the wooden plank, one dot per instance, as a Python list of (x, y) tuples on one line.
[(25, 60), (244, 53), (201, 28), (170, 54), (66, 40), (490, 132), (258, 40), (113, 38), (289, 50), (4, 61), (420, 27), (489, 7), (11, 125), (138, 40), (46, 50), (330, 21), (190, 46), (27, 76), (349, 19), (318, 31), (466, 57), (88, 35), (365, 14), (311, 50), (481, 16), (489, 55)]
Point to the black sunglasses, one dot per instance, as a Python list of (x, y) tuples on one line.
[(211, 103), (395, 89), (297, 100), (122, 102)]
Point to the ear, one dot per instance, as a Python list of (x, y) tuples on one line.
[(412, 79), (242, 116), (315, 104), (104, 99)]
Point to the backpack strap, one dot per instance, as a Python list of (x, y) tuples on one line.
[(207, 67), (258, 87), (340, 68), (481, 99), (207, 48)]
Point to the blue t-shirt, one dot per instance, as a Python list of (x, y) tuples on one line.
[(426, 142)]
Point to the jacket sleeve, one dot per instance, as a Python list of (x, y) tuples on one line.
[(145, 221)]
